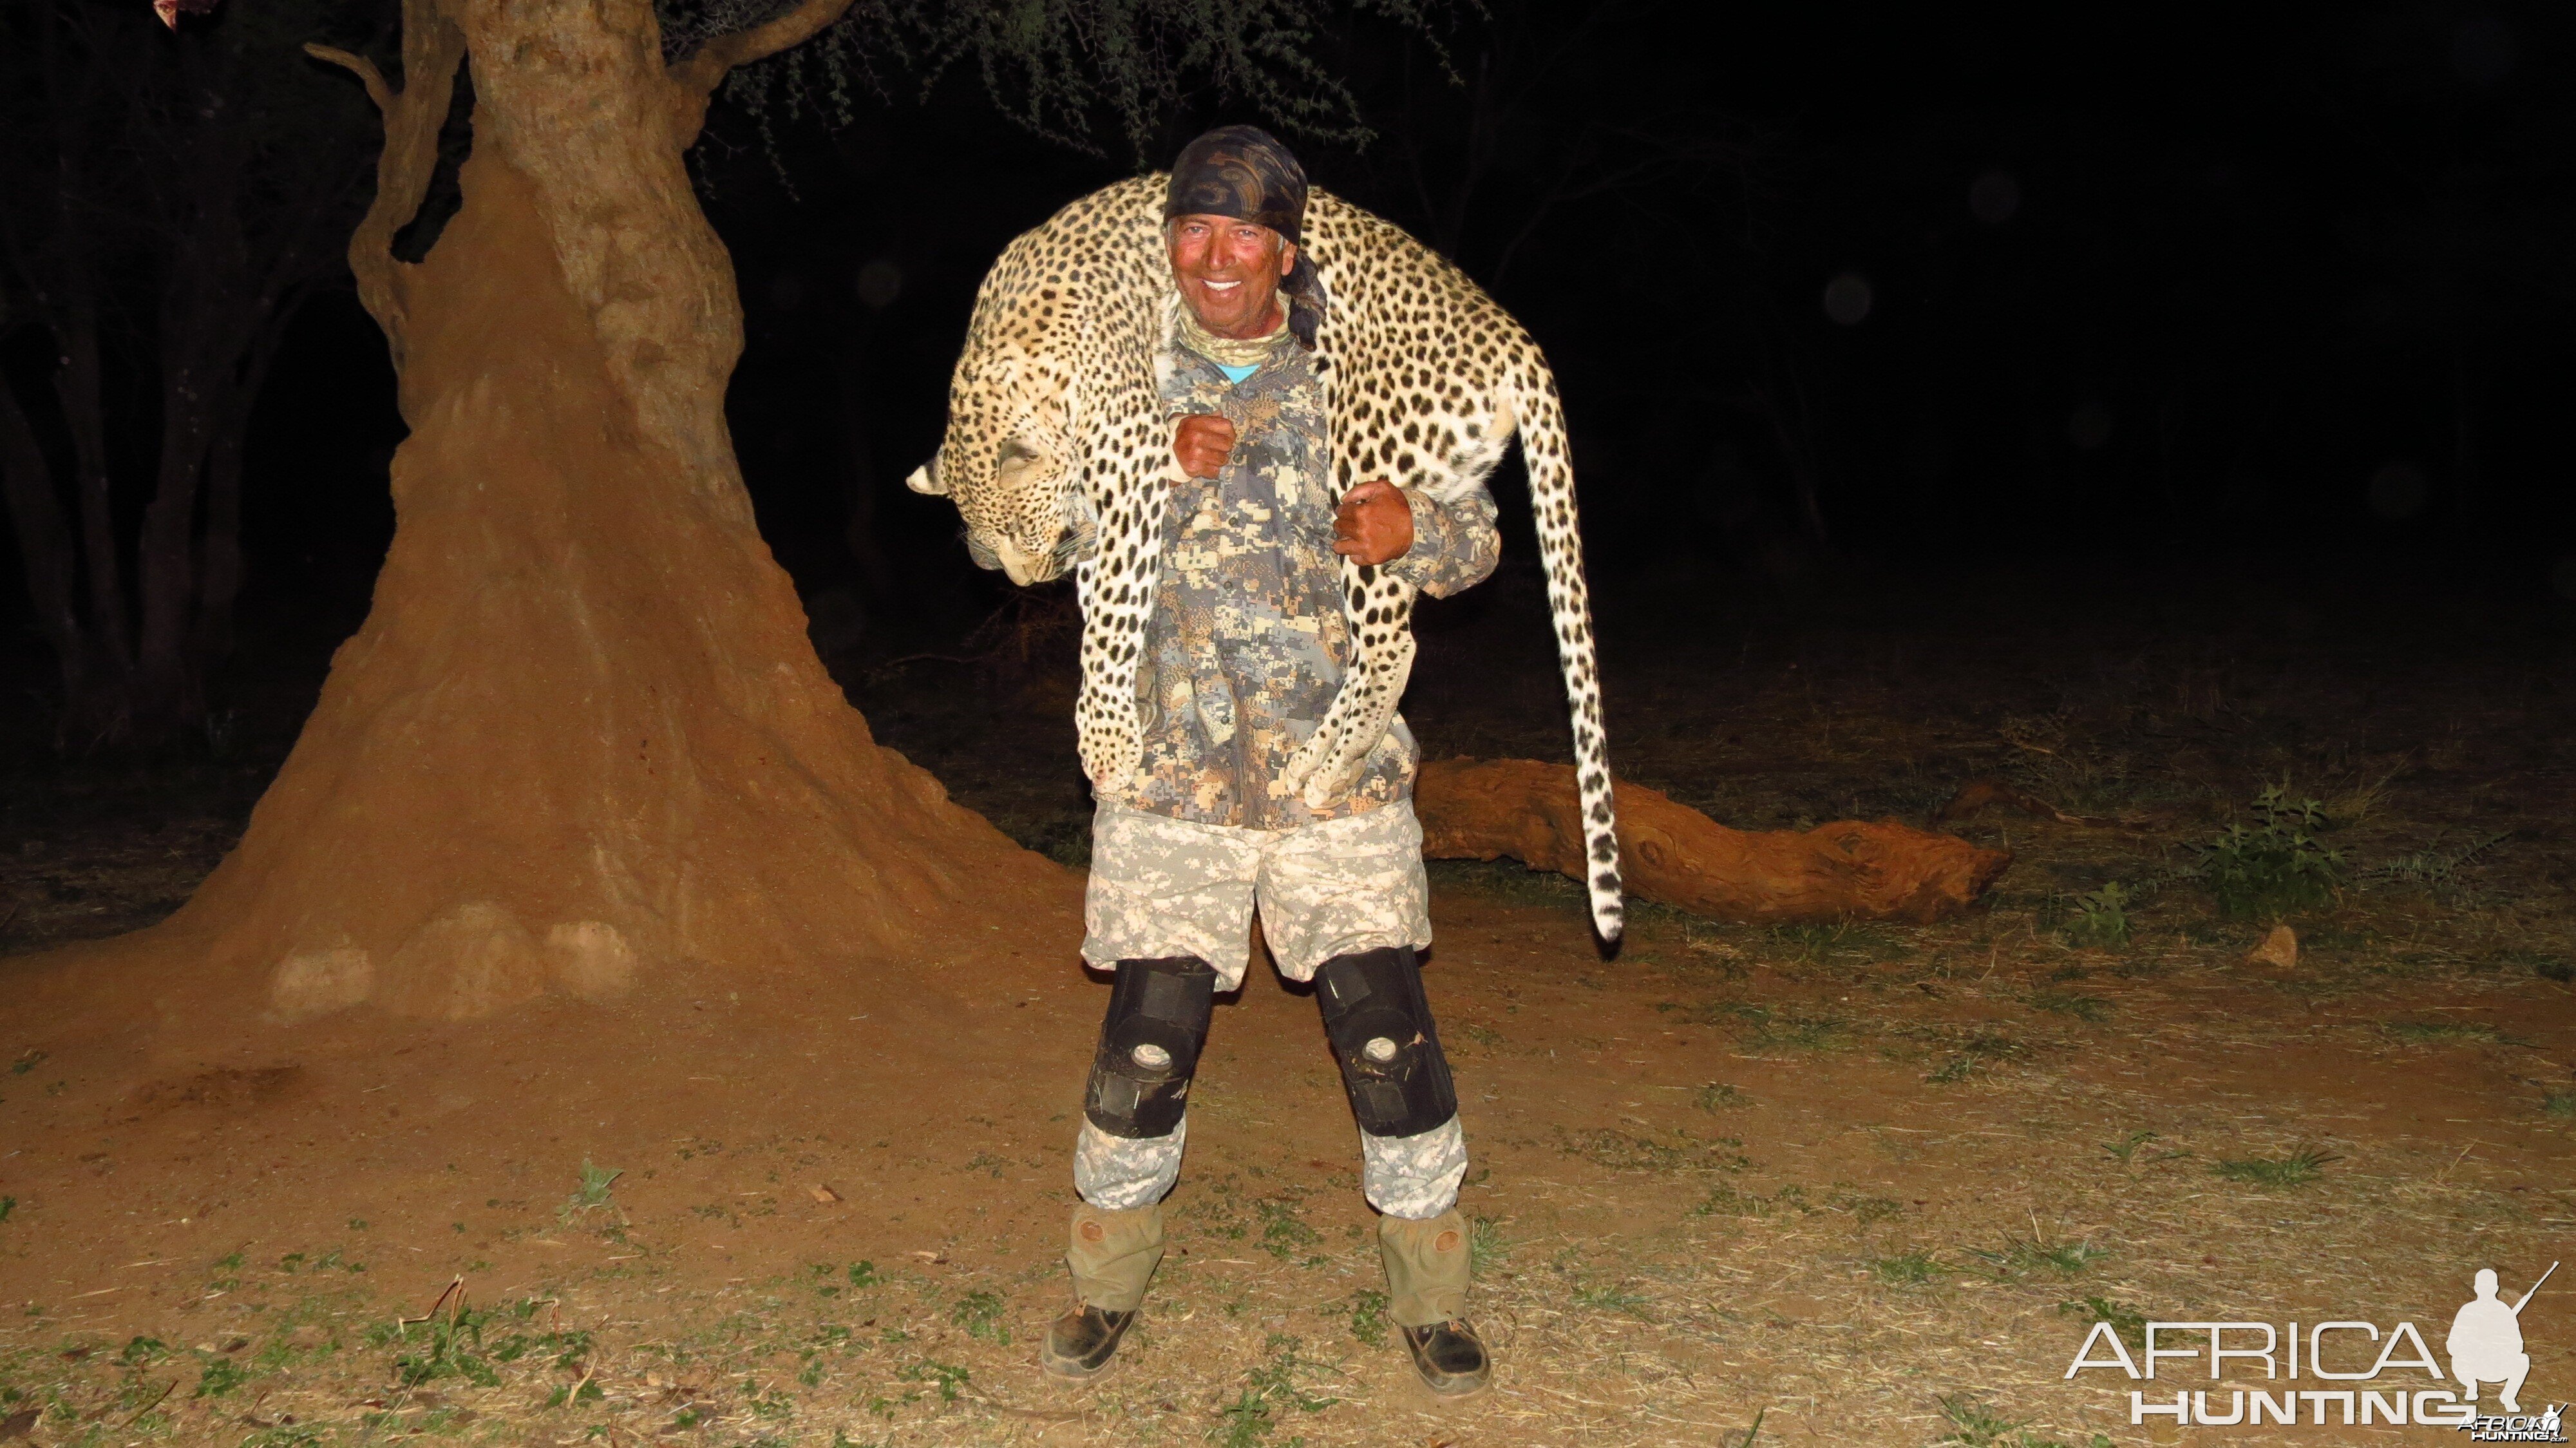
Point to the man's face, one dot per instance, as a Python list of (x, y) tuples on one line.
[(1229, 272)]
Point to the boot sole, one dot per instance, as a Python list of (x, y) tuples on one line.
[(1453, 1389), (1450, 1386), (1071, 1370)]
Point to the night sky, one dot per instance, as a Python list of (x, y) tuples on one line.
[(1834, 291)]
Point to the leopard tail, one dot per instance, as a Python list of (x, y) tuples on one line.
[(1550, 464)]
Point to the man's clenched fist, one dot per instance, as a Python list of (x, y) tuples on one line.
[(1374, 524), (1202, 443)]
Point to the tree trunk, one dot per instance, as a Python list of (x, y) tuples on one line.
[(211, 319), (581, 741), (258, 330), (77, 384), (1672, 854), (44, 540), (219, 572), (167, 697), (90, 668), (58, 260)]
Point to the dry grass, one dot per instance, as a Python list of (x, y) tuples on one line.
[(1869, 1184), (1620, 1312)]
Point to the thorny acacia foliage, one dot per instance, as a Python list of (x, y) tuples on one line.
[(1059, 67)]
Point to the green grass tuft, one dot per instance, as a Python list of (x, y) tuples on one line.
[(1270, 1393), (591, 1196), (2274, 866), (1977, 1426), (2295, 1170), (948, 1377), (2126, 1148), (1970, 1052), (1762, 1027), (220, 1376), (2435, 871), (1910, 1269), (1726, 1201), (2126, 1321), (1613, 1299), (1368, 1316), (980, 1313), (1284, 1234), (2101, 917), (2018, 1257), (2091, 1009)]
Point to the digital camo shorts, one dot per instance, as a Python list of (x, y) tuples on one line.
[(1162, 887)]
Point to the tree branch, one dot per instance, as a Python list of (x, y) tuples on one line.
[(432, 49), (705, 68), (361, 67)]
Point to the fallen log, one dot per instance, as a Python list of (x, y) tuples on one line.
[(1670, 853)]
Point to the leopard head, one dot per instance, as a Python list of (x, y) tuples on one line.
[(1007, 465), (1009, 461)]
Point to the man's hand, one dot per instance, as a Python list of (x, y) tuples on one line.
[(1374, 524), (1202, 443)]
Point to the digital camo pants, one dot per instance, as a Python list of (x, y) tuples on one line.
[(1162, 887)]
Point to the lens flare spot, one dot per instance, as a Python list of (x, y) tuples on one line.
[(1848, 299), (1994, 197), (2398, 490)]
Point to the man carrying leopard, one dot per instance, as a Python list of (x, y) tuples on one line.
[(1243, 654)]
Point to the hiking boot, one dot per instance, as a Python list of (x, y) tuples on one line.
[(1113, 1255), (1080, 1343), (1450, 1357), (1426, 1284)]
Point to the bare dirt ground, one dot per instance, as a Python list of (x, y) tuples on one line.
[(1859, 1183)]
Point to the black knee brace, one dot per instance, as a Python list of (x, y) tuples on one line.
[(1149, 1046), (1381, 1028)]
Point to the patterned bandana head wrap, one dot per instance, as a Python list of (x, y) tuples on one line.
[(1243, 172)]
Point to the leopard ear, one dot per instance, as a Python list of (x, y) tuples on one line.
[(925, 479)]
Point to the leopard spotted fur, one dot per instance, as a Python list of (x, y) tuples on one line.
[(1057, 455)]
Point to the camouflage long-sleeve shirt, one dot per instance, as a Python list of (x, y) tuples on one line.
[(1246, 646)]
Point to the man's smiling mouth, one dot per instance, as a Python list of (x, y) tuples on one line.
[(1220, 286)]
